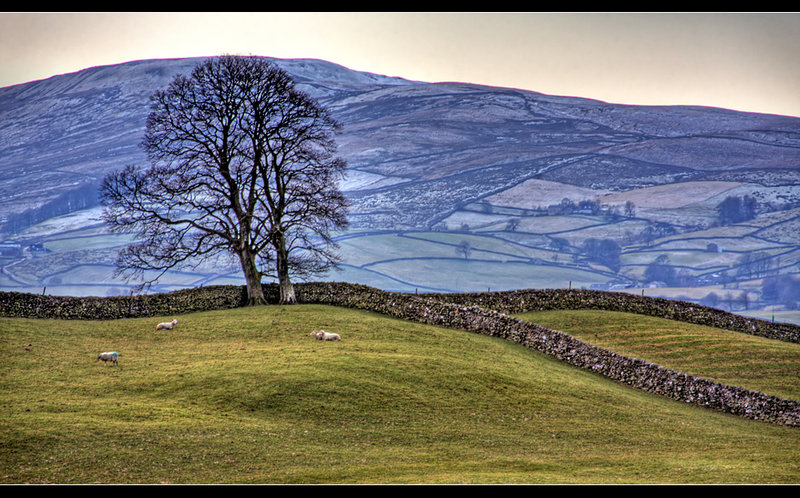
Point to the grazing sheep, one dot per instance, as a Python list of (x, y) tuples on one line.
[(166, 325), (109, 356), (321, 335)]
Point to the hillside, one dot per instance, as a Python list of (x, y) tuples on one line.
[(454, 187), (246, 396)]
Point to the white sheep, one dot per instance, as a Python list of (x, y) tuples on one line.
[(321, 335), (108, 356), (166, 325)]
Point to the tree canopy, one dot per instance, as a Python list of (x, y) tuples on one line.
[(735, 209), (242, 163)]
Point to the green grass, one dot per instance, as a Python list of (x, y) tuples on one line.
[(247, 396), (475, 276), (99, 241), (744, 360)]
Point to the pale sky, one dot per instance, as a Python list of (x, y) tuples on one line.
[(740, 61)]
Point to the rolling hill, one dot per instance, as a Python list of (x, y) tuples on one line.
[(246, 396)]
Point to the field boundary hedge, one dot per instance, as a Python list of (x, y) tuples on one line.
[(479, 313)]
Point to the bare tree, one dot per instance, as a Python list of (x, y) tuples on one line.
[(630, 209), (464, 248), (242, 163)]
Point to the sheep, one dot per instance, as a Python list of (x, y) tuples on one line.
[(166, 325), (108, 356), (321, 335)]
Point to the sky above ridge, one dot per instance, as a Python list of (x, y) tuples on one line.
[(741, 61)]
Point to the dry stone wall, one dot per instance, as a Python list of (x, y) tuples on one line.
[(644, 375), (479, 313), (21, 305), (521, 301)]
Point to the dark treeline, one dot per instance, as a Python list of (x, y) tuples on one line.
[(783, 290), (82, 197), (736, 210), (603, 251)]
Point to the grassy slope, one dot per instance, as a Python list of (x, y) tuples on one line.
[(756, 363), (246, 396)]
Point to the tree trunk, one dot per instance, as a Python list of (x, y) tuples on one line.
[(287, 289), (255, 293)]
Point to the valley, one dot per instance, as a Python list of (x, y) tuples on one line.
[(453, 188), (511, 244)]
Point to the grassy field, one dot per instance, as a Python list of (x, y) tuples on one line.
[(755, 363), (247, 396)]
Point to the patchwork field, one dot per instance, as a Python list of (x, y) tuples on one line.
[(504, 241)]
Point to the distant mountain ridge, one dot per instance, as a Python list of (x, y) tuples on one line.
[(453, 186), (69, 130)]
